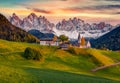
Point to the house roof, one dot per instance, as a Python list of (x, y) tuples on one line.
[(46, 39), (64, 45)]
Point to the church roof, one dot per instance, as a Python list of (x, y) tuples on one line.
[(79, 36)]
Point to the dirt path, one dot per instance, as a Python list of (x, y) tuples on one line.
[(103, 67)]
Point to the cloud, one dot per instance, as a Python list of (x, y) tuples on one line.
[(113, 0), (40, 10), (105, 7), (109, 0), (117, 13), (100, 7)]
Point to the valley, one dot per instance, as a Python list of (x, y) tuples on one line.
[(34, 50)]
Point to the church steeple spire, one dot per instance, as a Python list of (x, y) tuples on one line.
[(79, 38)]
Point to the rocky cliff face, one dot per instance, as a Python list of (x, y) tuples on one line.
[(32, 21), (73, 26)]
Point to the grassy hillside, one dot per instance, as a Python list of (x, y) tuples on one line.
[(57, 66)]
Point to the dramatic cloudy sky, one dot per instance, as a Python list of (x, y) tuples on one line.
[(55, 10)]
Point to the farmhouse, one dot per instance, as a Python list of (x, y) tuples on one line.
[(49, 39), (64, 45)]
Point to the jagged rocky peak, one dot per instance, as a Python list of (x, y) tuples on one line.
[(70, 27), (14, 16), (75, 25), (32, 16), (101, 25), (15, 20), (79, 24), (32, 21)]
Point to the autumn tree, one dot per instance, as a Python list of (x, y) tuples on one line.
[(55, 38), (82, 41)]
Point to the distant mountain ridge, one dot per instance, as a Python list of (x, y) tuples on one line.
[(41, 35), (70, 27), (81, 25), (13, 33), (36, 33), (32, 21), (75, 25), (110, 40)]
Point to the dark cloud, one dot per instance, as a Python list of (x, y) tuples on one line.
[(106, 7), (39, 10), (109, 0), (117, 13), (113, 0), (100, 7)]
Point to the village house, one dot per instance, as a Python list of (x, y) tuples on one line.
[(49, 39), (64, 45)]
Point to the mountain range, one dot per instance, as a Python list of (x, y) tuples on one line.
[(110, 40), (13, 33), (70, 27), (32, 21)]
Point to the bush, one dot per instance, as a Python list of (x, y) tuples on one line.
[(63, 38), (32, 54), (71, 50), (77, 51)]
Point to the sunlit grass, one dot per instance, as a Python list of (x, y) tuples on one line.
[(57, 63), (100, 57)]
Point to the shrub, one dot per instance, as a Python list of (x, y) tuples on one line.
[(77, 51), (71, 50), (32, 54), (63, 38)]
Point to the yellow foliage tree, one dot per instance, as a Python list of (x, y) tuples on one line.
[(82, 41), (55, 38)]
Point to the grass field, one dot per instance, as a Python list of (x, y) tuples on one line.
[(57, 66)]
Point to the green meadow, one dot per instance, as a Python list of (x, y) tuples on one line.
[(57, 66)]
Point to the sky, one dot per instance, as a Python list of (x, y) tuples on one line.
[(56, 10)]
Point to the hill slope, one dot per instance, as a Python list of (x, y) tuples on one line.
[(40, 35), (12, 33), (110, 40), (36, 33), (56, 67)]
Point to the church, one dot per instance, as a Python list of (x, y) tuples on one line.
[(82, 43)]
